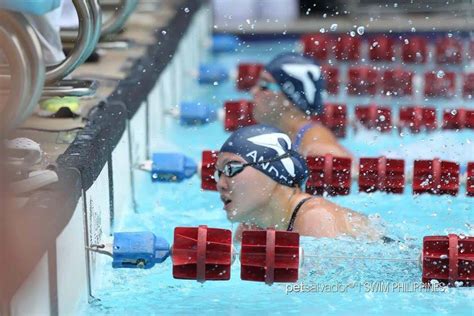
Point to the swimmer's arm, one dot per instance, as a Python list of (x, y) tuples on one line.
[(320, 140)]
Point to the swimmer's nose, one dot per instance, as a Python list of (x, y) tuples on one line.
[(254, 90), (222, 185)]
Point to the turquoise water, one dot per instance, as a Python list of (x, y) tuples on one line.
[(365, 286)]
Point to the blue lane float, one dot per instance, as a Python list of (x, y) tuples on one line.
[(192, 113), (223, 43), (138, 250), (172, 167), (212, 74)]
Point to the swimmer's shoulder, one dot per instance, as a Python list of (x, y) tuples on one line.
[(313, 217)]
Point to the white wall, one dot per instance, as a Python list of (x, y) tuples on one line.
[(33, 297)]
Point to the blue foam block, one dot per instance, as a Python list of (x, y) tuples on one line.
[(212, 74), (222, 43), (197, 113), (172, 167), (139, 250)]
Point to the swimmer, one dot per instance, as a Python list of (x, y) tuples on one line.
[(260, 178), (287, 94)]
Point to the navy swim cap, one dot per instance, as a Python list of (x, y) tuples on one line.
[(262, 142), (300, 80)]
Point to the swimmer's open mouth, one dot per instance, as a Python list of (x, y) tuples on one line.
[(225, 200)]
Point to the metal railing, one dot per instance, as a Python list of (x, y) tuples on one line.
[(88, 34), (22, 77)]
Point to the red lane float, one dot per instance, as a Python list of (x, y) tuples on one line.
[(208, 166), (414, 50), (468, 85), (362, 81), (202, 253), (448, 51), (381, 174), (470, 179), (348, 48), (417, 118), (381, 48), (269, 256), (458, 119), (435, 177), (334, 117), (248, 75), (397, 82), (331, 77), (316, 46), (328, 174), (448, 259), (440, 84), (374, 117), (238, 114)]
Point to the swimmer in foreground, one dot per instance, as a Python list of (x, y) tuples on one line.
[(260, 178), (287, 94)]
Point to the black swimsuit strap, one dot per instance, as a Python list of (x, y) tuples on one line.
[(295, 212)]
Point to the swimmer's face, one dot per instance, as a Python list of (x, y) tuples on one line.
[(269, 104), (246, 192)]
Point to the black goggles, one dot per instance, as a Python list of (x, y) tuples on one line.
[(233, 168), (268, 86)]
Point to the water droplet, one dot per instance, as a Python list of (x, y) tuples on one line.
[(443, 257), (333, 27), (163, 32), (360, 30), (352, 34), (186, 10), (322, 30), (406, 41), (440, 74), (413, 29)]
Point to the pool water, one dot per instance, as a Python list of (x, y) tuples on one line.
[(342, 285)]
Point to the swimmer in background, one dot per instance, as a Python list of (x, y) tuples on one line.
[(287, 94), (260, 178)]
